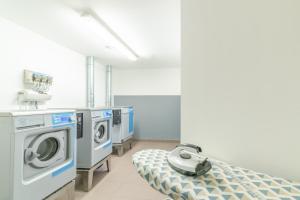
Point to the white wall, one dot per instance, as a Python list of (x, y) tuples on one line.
[(22, 49), (240, 82), (146, 81)]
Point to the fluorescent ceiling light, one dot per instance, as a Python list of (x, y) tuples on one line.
[(106, 33)]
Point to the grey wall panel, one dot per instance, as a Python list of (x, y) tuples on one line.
[(156, 117)]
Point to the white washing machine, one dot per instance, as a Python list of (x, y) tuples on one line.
[(123, 124), (37, 150), (93, 136)]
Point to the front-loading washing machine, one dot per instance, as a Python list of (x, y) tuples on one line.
[(37, 150), (93, 136), (123, 124)]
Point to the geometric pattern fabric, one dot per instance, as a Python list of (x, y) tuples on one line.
[(152, 165)]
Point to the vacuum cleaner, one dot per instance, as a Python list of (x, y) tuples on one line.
[(187, 160)]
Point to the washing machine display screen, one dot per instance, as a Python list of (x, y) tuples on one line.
[(62, 118), (106, 114)]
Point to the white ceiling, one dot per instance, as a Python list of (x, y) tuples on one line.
[(150, 27)]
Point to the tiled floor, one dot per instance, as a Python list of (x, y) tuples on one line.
[(123, 182)]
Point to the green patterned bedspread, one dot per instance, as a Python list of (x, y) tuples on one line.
[(152, 165)]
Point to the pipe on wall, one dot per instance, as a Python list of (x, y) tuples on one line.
[(90, 61), (108, 85)]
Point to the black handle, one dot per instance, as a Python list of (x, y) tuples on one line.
[(198, 149)]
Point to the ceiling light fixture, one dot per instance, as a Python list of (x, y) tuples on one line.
[(108, 34)]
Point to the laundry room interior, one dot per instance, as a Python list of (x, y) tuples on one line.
[(149, 100)]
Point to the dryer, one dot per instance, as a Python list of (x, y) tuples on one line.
[(93, 136), (37, 150)]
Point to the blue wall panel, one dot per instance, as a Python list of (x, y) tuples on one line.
[(156, 117)]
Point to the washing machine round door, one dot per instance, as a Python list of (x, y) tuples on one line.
[(100, 132), (46, 149)]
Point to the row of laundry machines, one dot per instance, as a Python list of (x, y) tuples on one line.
[(40, 150)]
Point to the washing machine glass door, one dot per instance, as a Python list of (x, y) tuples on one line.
[(46, 149), (100, 131)]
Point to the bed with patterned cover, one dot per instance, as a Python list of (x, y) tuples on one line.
[(152, 165)]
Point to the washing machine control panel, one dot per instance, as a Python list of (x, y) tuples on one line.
[(106, 114), (63, 118), (102, 114)]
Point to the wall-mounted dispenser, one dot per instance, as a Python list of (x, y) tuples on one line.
[(36, 87), (37, 81)]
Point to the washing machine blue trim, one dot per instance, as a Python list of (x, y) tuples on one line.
[(63, 169), (107, 144), (64, 126), (131, 113)]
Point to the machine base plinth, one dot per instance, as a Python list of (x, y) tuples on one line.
[(120, 148), (67, 192), (87, 175)]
